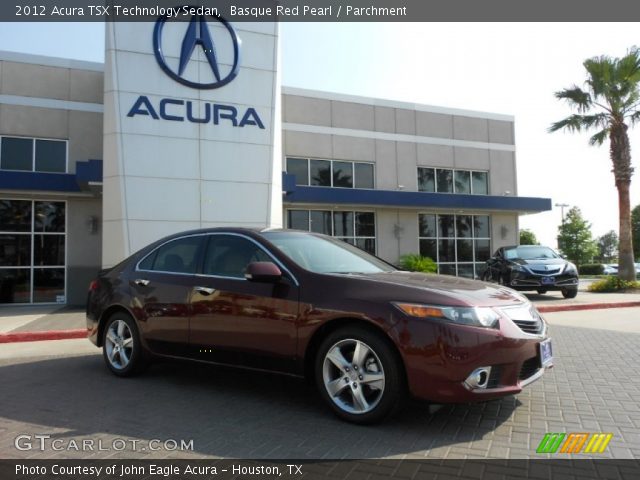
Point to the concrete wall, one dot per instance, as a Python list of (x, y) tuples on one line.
[(83, 129), (83, 247), (163, 176), (398, 138)]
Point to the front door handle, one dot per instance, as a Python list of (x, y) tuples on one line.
[(204, 290), (141, 282)]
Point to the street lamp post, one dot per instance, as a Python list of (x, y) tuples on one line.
[(562, 207)]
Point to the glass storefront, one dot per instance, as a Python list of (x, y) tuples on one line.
[(356, 228), (32, 251), (459, 244)]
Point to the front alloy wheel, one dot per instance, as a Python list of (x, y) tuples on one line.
[(358, 375)]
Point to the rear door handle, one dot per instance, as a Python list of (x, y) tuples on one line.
[(204, 290), (143, 282)]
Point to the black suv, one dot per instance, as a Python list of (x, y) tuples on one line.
[(532, 267)]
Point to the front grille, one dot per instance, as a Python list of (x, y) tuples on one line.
[(542, 271), (526, 317), (529, 368), (533, 327), (494, 376)]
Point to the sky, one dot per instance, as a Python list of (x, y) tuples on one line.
[(507, 68)]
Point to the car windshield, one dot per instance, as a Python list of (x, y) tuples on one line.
[(322, 254), (530, 253)]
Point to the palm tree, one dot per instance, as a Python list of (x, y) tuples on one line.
[(609, 103)]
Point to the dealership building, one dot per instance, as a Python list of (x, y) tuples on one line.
[(97, 160)]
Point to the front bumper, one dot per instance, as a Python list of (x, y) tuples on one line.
[(532, 281), (440, 357)]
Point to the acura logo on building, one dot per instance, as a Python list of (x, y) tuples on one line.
[(199, 34)]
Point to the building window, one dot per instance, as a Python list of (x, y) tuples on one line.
[(356, 228), (32, 251), (444, 180), (459, 244), (330, 173), (33, 154)]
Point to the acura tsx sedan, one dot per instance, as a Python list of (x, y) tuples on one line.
[(310, 305)]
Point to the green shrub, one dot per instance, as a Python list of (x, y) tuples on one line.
[(591, 269), (417, 263), (612, 284)]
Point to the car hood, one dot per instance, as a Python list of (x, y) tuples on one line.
[(449, 290)]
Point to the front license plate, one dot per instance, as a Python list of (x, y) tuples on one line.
[(548, 280), (546, 354)]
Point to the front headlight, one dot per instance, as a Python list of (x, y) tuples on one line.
[(517, 268), (475, 316), (570, 269)]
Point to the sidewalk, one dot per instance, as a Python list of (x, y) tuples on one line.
[(554, 302), (46, 322)]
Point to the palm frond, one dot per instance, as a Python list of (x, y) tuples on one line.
[(600, 137), (601, 72), (573, 123), (576, 97), (628, 67), (634, 117)]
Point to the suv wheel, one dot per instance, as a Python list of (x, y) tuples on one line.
[(121, 346), (569, 292), (542, 291), (358, 375)]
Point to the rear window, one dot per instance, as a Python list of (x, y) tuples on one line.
[(176, 256)]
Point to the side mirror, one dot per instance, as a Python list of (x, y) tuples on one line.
[(263, 272)]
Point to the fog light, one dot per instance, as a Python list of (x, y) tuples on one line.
[(479, 378)]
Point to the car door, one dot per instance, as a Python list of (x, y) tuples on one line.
[(162, 285), (238, 321)]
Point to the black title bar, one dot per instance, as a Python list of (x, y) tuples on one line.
[(322, 10)]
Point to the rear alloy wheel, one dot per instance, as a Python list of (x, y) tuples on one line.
[(569, 292), (121, 347), (358, 375)]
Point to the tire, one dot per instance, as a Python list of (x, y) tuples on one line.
[(487, 277), (569, 292), (354, 398), (542, 291), (121, 347)]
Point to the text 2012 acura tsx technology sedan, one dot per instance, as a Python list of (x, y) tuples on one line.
[(310, 305)]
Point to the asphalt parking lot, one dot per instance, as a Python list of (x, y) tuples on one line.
[(62, 389)]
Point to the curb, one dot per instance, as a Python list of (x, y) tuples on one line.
[(44, 335), (585, 306)]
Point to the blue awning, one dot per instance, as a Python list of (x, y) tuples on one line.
[(86, 173), (392, 198)]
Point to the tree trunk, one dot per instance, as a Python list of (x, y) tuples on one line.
[(620, 151), (626, 267)]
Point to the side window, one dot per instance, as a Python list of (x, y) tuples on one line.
[(177, 256), (229, 255)]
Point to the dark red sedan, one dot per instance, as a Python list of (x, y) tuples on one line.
[(310, 305)]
